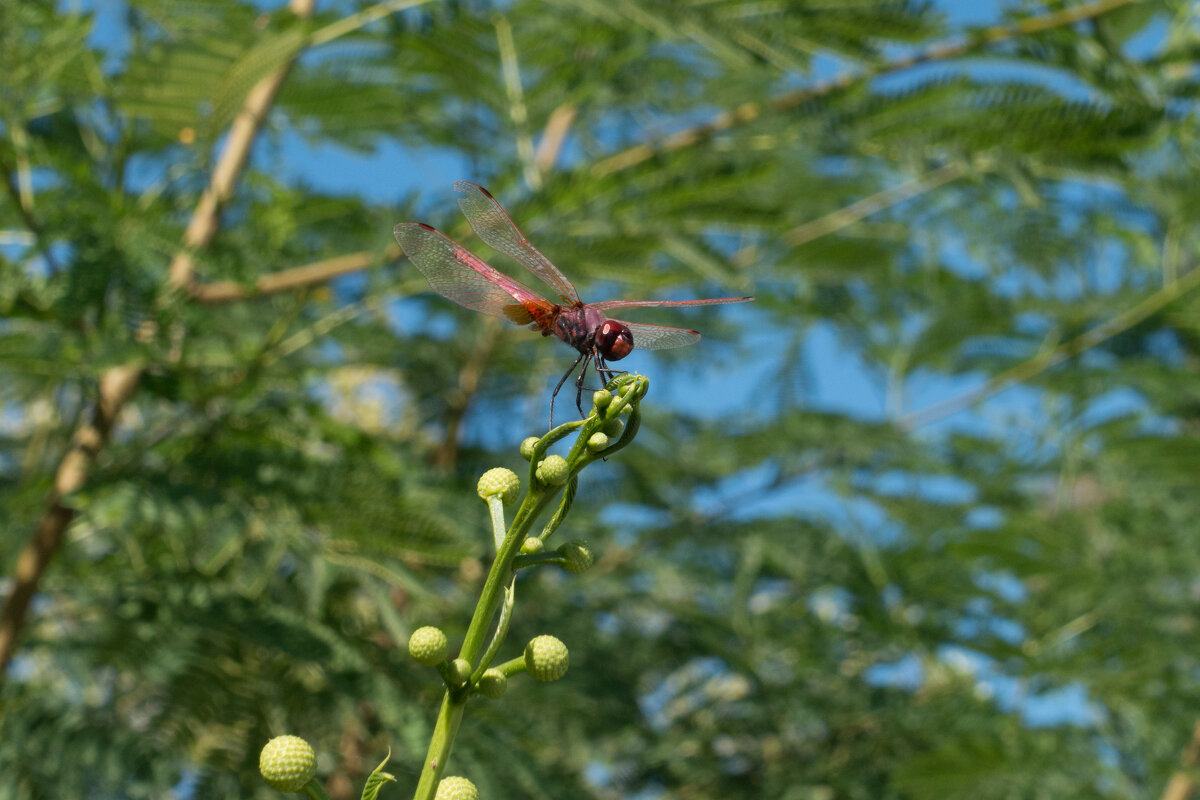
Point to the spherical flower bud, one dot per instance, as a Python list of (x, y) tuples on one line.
[(287, 763), (456, 788), (493, 683), (612, 428), (427, 645), (554, 471), (577, 555), (601, 399), (531, 545), (597, 441), (546, 658), (499, 482), (527, 447), (460, 671)]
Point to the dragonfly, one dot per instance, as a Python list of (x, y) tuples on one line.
[(459, 275)]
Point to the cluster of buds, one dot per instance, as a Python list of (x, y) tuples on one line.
[(545, 658), (289, 764)]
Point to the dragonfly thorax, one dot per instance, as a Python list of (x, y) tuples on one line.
[(587, 330)]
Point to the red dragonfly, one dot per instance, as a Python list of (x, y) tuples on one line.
[(457, 274)]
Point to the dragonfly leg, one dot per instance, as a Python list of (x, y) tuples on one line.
[(587, 357), (561, 381), (606, 372)]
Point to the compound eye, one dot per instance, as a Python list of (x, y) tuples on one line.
[(614, 340)]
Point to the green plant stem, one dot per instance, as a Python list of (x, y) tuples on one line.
[(440, 743), (564, 505), (535, 501), (314, 790), (632, 388), (538, 559), (514, 666), (510, 599), (454, 703)]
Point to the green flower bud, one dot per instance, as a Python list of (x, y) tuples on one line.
[(613, 427), (597, 441), (287, 763), (546, 658), (527, 447), (459, 672), (456, 788), (499, 482), (554, 471), (493, 683), (601, 399), (531, 545), (578, 556), (427, 645)]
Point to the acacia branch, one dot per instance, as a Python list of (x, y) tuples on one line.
[(560, 121), (294, 278), (25, 212), (748, 112), (550, 145), (117, 384), (1045, 360), (242, 133)]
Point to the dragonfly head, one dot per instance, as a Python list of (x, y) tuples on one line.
[(614, 340)]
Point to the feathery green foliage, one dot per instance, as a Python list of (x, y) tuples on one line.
[(813, 580)]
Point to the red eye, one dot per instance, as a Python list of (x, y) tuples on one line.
[(614, 340)]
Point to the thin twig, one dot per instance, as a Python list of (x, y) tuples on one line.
[(548, 149), (26, 213), (117, 384), (848, 215), (469, 378), (1049, 358), (24, 168), (952, 48), (361, 19), (294, 278), (553, 136), (1183, 782), (321, 327), (516, 100)]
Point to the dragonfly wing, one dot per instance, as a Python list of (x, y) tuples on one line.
[(459, 275), (714, 301), (492, 224), (659, 337)]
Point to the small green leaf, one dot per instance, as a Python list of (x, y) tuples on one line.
[(377, 779)]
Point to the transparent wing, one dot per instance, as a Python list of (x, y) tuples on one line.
[(459, 275), (492, 224), (659, 337), (715, 301)]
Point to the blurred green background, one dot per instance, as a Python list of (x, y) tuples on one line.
[(922, 521)]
